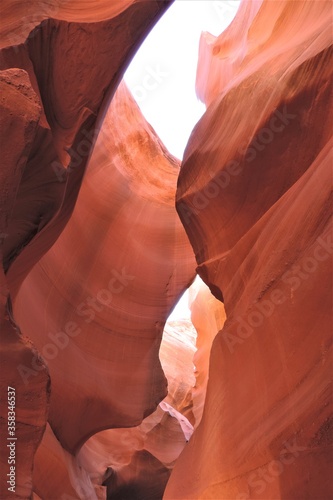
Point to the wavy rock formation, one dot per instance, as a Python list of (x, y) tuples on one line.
[(177, 359), (107, 285), (112, 401), (208, 317), (136, 461), (258, 165), (133, 460), (26, 405), (75, 89), (55, 94), (57, 474)]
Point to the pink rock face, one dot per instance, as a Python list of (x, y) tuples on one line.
[(57, 474), (100, 297), (51, 117), (75, 88), (112, 401), (139, 460), (208, 317), (136, 459), (177, 359), (258, 164), (19, 23), (27, 406)]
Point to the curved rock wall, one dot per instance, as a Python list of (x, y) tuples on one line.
[(107, 285), (95, 257), (254, 195)]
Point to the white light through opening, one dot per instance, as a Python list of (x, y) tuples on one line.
[(161, 76)]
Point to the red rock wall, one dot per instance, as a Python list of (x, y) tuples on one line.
[(75, 89), (105, 300), (94, 258), (23, 409), (56, 92), (254, 196), (208, 317)]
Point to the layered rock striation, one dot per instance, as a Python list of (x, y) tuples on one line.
[(110, 400), (254, 194)]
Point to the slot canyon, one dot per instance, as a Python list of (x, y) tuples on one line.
[(105, 395)]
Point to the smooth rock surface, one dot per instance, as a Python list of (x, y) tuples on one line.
[(114, 401), (258, 164), (107, 285)]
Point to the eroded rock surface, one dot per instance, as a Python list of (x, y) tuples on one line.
[(55, 95), (258, 165), (94, 257), (107, 285), (24, 408)]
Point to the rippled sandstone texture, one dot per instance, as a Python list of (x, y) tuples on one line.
[(94, 257), (106, 374), (254, 194), (113, 292), (17, 130)]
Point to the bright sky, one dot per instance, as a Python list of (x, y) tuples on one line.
[(161, 76)]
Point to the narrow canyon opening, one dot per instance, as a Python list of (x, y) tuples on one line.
[(162, 75), (161, 79), (124, 179), (136, 462)]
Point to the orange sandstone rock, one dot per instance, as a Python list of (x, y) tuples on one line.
[(254, 196)]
